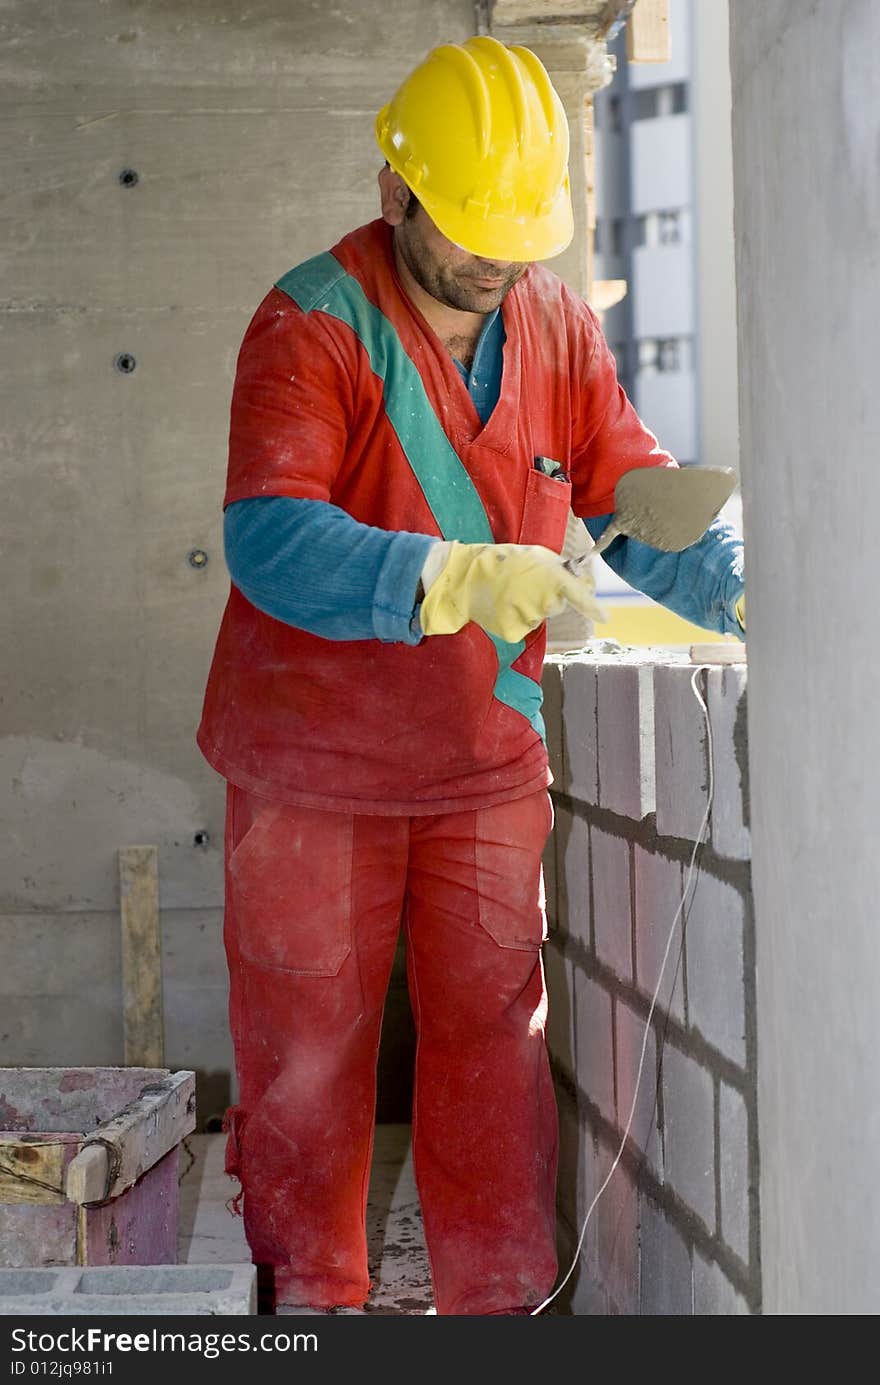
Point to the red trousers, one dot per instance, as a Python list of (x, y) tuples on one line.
[(314, 903)]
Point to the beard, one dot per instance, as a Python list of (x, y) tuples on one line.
[(458, 286)]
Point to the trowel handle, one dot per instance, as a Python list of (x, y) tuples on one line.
[(607, 537)]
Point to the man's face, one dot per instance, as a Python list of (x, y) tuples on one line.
[(451, 275)]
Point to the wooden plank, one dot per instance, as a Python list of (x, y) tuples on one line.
[(647, 32), (141, 955), (138, 1137), (31, 1171), (88, 1174)]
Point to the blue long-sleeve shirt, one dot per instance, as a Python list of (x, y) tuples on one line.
[(312, 565)]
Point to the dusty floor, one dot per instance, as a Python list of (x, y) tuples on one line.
[(398, 1262)]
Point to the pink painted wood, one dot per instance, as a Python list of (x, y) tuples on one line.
[(60, 1106), (140, 1226)]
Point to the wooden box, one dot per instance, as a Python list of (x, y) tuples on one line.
[(88, 1164)]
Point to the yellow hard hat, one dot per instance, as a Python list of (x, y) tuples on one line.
[(480, 136)]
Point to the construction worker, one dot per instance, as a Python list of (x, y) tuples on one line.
[(414, 415)]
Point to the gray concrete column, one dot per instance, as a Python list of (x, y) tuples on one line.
[(807, 208)]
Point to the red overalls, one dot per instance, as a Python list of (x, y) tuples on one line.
[(376, 782)]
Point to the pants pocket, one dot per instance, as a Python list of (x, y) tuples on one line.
[(289, 883), (510, 839)]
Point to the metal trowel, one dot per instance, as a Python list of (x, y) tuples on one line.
[(665, 507)]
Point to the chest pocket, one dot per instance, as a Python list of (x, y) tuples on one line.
[(545, 512)]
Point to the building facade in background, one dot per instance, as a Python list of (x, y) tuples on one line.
[(662, 153)]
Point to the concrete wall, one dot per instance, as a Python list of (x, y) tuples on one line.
[(676, 1231), (714, 255), (249, 128), (807, 202)]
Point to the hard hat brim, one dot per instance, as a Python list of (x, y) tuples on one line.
[(517, 239)]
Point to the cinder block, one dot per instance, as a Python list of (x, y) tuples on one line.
[(681, 750), (580, 749), (666, 1278), (572, 876), (689, 1132), (131, 1289), (549, 878), (612, 912), (716, 987), (551, 684), (727, 715), (625, 710), (581, 1170), (734, 1159), (593, 1043), (714, 1295), (588, 1299), (658, 890), (568, 1175), (559, 975), (583, 1296), (592, 1171), (644, 1130), (618, 1213)]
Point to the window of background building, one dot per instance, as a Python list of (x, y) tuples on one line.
[(649, 103), (668, 227), (664, 354)]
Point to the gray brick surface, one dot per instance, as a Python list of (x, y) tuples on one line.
[(714, 1295), (572, 875), (131, 1289), (588, 1299), (551, 683), (580, 749), (665, 1277), (593, 1043), (644, 1130), (612, 914), (727, 715), (625, 704), (658, 887), (569, 1173), (583, 1296), (682, 765), (716, 987), (689, 1132), (593, 1169), (734, 1162), (548, 868), (618, 1214), (559, 975)]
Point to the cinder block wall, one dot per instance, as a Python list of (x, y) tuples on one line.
[(676, 1230)]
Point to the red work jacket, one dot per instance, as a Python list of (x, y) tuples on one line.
[(342, 393)]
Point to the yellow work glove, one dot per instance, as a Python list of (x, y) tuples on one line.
[(507, 588), (740, 608)]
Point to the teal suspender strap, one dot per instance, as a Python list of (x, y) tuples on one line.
[(322, 285)]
